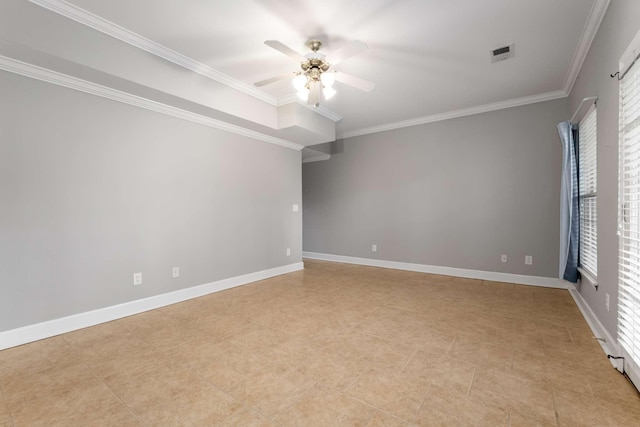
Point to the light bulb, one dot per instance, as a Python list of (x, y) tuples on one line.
[(303, 95), (328, 79), (328, 92), (299, 81)]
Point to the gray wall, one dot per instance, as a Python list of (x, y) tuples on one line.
[(618, 28), (457, 193), (93, 190)]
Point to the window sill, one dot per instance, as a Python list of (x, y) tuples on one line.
[(585, 276)]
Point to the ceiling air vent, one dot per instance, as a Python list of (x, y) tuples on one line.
[(502, 53)]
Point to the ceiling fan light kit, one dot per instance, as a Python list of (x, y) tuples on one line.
[(313, 70), (315, 82)]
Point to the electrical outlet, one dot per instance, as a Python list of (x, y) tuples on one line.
[(288, 251), (374, 248), (606, 301), (175, 272), (528, 259), (137, 279), (296, 208), (503, 258)]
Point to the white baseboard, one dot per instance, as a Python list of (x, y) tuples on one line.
[(26, 334), (446, 271), (608, 343)]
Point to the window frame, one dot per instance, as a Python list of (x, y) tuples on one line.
[(628, 308), (588, 193)]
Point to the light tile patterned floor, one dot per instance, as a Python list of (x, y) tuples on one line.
[(333, 345)]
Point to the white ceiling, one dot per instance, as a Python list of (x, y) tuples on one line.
[(427, 58)]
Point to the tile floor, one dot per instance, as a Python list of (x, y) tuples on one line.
[(333, 345)]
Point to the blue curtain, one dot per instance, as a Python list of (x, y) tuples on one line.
[(569, 210)]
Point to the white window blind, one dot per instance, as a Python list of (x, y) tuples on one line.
[(587, 178), (629, 218)]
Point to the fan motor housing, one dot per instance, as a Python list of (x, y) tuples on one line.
[(314, 67)]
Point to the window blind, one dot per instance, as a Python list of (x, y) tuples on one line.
[(587, 178), (629, 217)]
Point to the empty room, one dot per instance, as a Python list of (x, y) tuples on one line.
[(319, 213)]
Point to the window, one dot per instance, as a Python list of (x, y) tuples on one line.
[(629, 211), (587, 178)]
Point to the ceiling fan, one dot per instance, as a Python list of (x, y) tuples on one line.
[(315, 80)]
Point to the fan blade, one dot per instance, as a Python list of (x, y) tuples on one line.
[(286, 50), (274, 79), (314, 94), (357, 82), (352, 49)]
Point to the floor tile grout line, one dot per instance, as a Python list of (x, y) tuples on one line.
[(409, 360), (424, 399), (346, 390), (295, 400), (220, 389), (84, 362), (6, 405), (373, 413), (379, 409), (167, 361), (473, 378), (555, 406), (512, 361)]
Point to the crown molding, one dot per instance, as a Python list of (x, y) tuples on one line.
[(318, 158), (109, 28), (322, 110), (29, 70), (596, 15), (548, 96), (98, 23)]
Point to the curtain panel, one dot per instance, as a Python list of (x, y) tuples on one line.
[(569, 208)]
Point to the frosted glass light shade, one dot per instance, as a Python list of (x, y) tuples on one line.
[(328, 79), (303, 94), (299, 82)]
